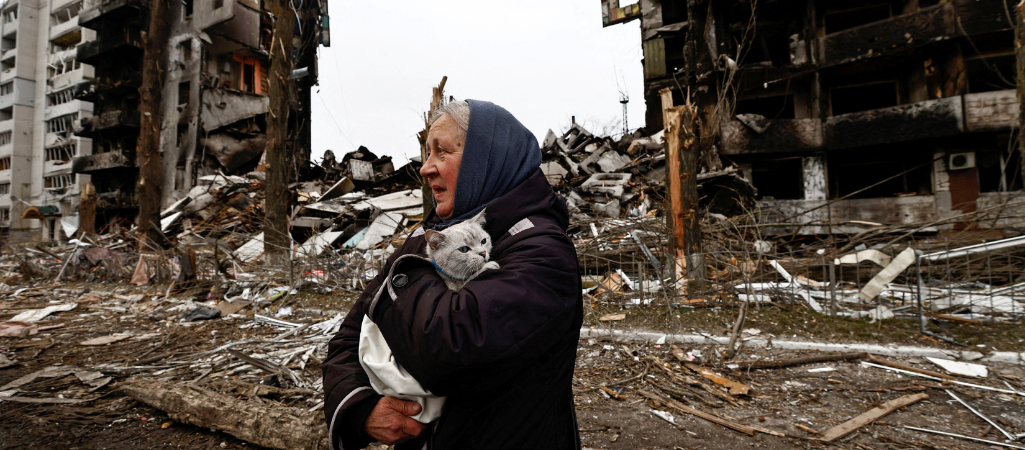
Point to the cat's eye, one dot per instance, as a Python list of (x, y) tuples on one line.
[(464, 249), (483, 241)]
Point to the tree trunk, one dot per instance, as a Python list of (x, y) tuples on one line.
[(1019, 51), (87, 210), (277, 244), (148, 147), (265, 424)]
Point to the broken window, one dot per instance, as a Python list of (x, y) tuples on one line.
[(993, 73), (5, 188), (10, 16), (184, 93), (59, 97), (999, 171), (249, 78), (5, 212), (7, 88), (218, 4), (182, 134), (777, 107), (61, 124), (62, 152), (62, 66), (778, 178), (62, 181), (7, 64), (9, 43), (185, 50), (187, 9), (850, 18), (898, 171), (5, 163), (64, 15), (850, 99), (5, 138)]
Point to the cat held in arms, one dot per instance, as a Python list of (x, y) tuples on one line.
[(459, 254)]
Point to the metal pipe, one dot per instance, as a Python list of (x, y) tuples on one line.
[(915, 374), (1010, 436), (944, 433)]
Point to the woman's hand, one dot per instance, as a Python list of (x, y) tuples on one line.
[(390, 421)]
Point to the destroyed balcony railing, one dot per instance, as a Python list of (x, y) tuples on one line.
[(90, 90), (99, 162), (111, 122), (110, 10), (127, 42)]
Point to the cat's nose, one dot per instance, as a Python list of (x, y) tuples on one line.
[(484, 254)]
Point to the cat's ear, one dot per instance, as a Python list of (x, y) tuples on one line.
[(479, 218), (435, 239)]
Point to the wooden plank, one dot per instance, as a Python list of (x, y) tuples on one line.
[(987, 111), (922, 120), (871, 415), (688, 410)]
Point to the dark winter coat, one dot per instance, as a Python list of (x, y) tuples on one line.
[(501, 350)]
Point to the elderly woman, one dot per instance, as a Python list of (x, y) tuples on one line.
[(501, 349)]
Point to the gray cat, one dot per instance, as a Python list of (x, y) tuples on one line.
[(460, 252)]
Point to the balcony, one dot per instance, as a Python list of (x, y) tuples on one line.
[(922, 120), (22, 93), (90, 90), (10, 28), (67, 108), (112, 122), (127, 42), (114, 11), (92, 164), (8, 53), (83, 73), (64, 32), (58, 4), (755, 134), (6, 125)]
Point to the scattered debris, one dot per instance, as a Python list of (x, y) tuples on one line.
[(870, 416), (961, 368)]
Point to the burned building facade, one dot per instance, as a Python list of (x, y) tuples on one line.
[(215, 93), (848, 114)]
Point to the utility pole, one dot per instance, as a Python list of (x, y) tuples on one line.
[(154, 68), (276, 239), (437, 99)]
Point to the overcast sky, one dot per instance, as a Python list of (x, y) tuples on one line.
[(542, 60)]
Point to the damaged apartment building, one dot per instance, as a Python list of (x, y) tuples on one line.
[(38, 72), (853, 113), (215, 94)]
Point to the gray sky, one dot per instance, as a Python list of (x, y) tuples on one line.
[(544, 61)]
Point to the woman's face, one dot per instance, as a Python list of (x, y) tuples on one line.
[(441, 169)]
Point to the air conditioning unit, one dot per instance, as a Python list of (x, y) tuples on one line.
[(960, 161)]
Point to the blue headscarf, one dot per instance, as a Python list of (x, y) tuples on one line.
[(499, 154)]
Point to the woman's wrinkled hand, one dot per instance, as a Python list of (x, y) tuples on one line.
[(390, 421)]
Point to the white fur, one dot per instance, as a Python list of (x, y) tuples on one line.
[(458, 267)]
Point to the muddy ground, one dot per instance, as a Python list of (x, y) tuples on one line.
[(779, 400)]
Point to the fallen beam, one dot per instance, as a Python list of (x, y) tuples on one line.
[(263, 424), (688, 410), (870, 416), (799, 361)]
